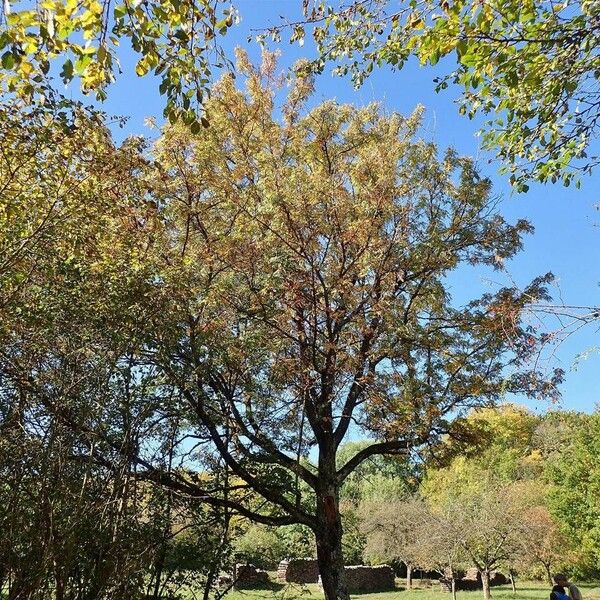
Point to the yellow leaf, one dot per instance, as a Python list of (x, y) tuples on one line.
[(95, 7), (26, 68), (141, 68)]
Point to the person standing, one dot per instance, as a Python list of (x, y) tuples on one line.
[(558, 593), (573, 591)]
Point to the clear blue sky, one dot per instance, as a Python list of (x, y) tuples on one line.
[(567, 222)]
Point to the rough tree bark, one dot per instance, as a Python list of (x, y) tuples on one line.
[(328, 534)]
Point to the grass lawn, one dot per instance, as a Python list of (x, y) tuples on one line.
[(526, 590)]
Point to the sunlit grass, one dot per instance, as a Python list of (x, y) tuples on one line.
[(525, 590)]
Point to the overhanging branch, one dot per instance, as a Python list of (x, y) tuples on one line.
[(392, 447)]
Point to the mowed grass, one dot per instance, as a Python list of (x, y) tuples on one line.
[(526, 590)]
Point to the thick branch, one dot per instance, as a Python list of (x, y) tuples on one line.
[(267, 444), (265, 491), (391, 447)]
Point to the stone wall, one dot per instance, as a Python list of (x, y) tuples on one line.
[(298, 570), (497, 578), (361, 578), (248, 576), (472, 581)]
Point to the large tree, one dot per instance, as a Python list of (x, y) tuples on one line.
[(278, 282), (74, 411)]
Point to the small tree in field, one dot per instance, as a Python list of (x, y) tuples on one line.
[(491, 528), (441, 544), (542, 542), (486, 514), (274, 282), (395, 532)]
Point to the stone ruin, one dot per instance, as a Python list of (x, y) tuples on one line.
[(471, 580), (363, 578), (359, 578), (298, 570), (248, 576)]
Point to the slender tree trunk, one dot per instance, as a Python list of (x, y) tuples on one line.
[(60, 585), (485, 582), (408, 576), (511, 577), (548, 574), (158, 570), (453, 587)]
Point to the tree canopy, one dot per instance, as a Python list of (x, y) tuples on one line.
[(576, 475), (177, 41)]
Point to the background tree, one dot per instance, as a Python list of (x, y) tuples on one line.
[(574, 497), (487, 513), (515, 447), (533, 67), (493, 529), (395, 532), (543, 542), (379, 477), (261, 546), (440, 545)]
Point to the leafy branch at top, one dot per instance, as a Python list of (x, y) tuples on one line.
[(532, 68)]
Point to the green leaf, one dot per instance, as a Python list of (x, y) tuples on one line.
[(8, 60), (67, 70)]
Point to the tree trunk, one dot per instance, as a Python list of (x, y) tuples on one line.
[(511, 577), (59, 585), (453, 587), (485, 582), (329, 531), (158, 570), (329, 552), (548, 574), (408, 576)]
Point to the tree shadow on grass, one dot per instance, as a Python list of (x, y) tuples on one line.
[(270, 586)]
